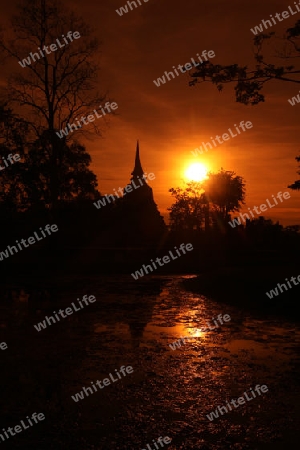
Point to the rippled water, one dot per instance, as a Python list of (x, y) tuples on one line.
[(170, 392)]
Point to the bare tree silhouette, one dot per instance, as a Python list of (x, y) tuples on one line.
[(55, 88)]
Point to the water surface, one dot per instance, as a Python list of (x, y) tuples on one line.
[(170, 392)]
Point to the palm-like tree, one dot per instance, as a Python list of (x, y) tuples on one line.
[(201, 204)]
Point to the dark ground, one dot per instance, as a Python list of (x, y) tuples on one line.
[(170, 392)]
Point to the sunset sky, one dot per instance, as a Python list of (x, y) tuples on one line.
[(172, 120)]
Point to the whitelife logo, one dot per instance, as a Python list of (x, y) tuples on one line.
[(166, 260), (36, 417), (90, 118), (68, 311), (31, 240), (294, 100), (124, 9), (274, 293), (225, 137), (236, 403), (53, 47), (220, 318), (11, 158), (106, 381), (187, 66), (236, 221), (285, 15), (129, 188), (166, 440)]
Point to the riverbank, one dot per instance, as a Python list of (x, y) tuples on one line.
[(246, 287)]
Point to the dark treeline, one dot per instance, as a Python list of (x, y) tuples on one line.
[(45, 179), (122, 235)]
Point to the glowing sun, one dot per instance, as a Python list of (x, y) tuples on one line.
[(196, 172)]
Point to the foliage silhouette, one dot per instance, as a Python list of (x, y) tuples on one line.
[(206, 203), (296, 185), (55, 89), (250, 81), (26, 184)]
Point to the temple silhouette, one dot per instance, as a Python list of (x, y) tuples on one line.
[(142, 224), (126, 231)]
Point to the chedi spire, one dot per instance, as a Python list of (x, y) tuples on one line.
[(138, 170)]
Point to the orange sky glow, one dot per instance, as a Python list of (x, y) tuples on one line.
[(172, 120)]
